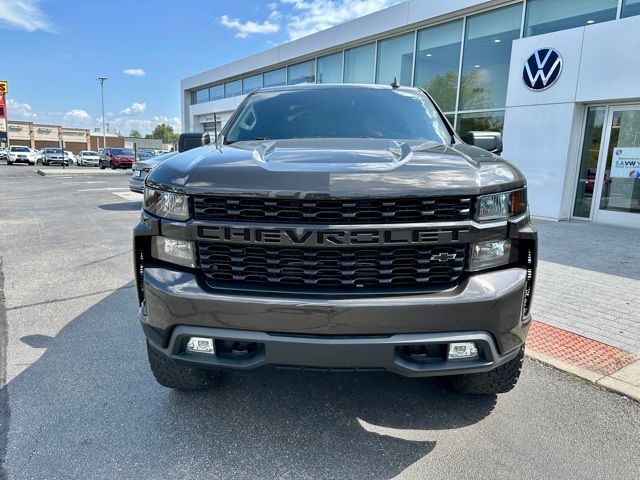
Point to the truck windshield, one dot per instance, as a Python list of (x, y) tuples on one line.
[(340, 112)]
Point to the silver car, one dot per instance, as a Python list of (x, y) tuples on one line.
[(87, 158), (142, 168)]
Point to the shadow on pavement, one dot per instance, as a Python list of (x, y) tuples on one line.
[(90, 406), (122, 206)]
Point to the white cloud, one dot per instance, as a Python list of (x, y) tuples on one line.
[(134, 108), (270, 25), (310, 16), (23, 15), (78, 114), (22, 111), (135, 72)]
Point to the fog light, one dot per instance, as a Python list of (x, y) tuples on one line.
[(463, 350), (489, 254), (201, 345)]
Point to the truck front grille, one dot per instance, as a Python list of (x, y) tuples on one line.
[(336, 211), (322, 267)]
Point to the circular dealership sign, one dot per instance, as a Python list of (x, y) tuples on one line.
[(542, 69)]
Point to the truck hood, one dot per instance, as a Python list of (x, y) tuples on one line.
[(336, 168)]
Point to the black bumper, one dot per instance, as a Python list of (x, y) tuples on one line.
[(336, 354)]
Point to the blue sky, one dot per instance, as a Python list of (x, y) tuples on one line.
[(53, 50)]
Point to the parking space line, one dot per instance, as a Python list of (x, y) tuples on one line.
[(105, 189)]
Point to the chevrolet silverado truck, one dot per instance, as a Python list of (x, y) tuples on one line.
[(341, 228)]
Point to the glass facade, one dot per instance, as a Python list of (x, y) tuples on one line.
[(395, 60), (304, 72), (630, 8), (589, 162), (232, 89), (486, 57), (474, 99), (437, 62), (359, 64), (216, 93), (249, 84), (330, 68), (544, 16), (275, 78)]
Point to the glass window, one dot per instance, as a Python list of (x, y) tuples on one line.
[(202, 95), (437, 62), (304, 72), (339, 112), (486, 57), (630, 8), (621, 182), (216, 93), (275, 78), (482, 122), (395, 60), (249, 84), (359, 64), (233, 89), (330, 68), (544, 16), (589, 162)]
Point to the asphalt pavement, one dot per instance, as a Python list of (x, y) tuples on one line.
[(80, 402)]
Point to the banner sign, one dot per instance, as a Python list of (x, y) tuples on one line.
[(3, 112), (626, 162)]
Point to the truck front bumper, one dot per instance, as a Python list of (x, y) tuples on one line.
[(346, 333)]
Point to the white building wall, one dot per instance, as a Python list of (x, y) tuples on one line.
[(543, 130)]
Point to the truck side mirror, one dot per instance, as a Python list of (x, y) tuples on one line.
[(188, 141), (491, 141)]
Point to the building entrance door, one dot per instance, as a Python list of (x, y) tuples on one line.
[(617, 182)]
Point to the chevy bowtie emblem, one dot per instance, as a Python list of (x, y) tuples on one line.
[(542, 69), (443, 257)]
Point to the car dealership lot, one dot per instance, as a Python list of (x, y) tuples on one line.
[(80, 401)]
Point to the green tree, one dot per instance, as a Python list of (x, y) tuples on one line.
[(165, 133), (135, 134)]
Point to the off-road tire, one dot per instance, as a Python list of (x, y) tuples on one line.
[(178, 377), (499, 380)]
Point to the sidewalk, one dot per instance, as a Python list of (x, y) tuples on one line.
[(587, 319)]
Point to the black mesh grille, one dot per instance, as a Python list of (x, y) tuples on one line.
[(344, 268), (353, 211)]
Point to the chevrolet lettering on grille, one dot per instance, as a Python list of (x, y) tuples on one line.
[(330, 237)]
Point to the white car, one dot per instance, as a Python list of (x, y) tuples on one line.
[(70, 157), (88, 158), (21, 154)]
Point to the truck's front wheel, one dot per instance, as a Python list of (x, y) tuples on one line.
[(499, 380), (178, 377)]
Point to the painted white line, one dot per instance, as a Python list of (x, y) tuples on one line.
[(80, 181), (106, 189), (130, 196)]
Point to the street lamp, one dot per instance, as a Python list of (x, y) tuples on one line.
[(104, 134)]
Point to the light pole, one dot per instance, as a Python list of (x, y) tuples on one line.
[(104, 134)]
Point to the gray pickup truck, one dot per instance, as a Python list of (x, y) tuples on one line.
[(337, 227)]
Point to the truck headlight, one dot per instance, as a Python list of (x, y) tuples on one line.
[(173, 206), (489, 254), (180, 252), (501, 205)]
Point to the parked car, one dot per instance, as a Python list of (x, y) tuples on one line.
[(142, 168), (21, 154), (145, 154), (70, 157), (364, 234), (3, 153), (53, 156), (88, 158), (116, 158)]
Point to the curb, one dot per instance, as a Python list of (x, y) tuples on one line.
[(75, 172), (625, 381)]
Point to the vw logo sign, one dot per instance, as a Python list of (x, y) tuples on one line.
[(542, 69)]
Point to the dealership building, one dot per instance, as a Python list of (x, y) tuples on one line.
[(558, 78)]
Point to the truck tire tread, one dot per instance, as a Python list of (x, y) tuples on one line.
[(178, 377), (499, 380)]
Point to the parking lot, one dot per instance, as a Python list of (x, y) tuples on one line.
[(80, 401)]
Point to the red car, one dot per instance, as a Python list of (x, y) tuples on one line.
[(116, 158)]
